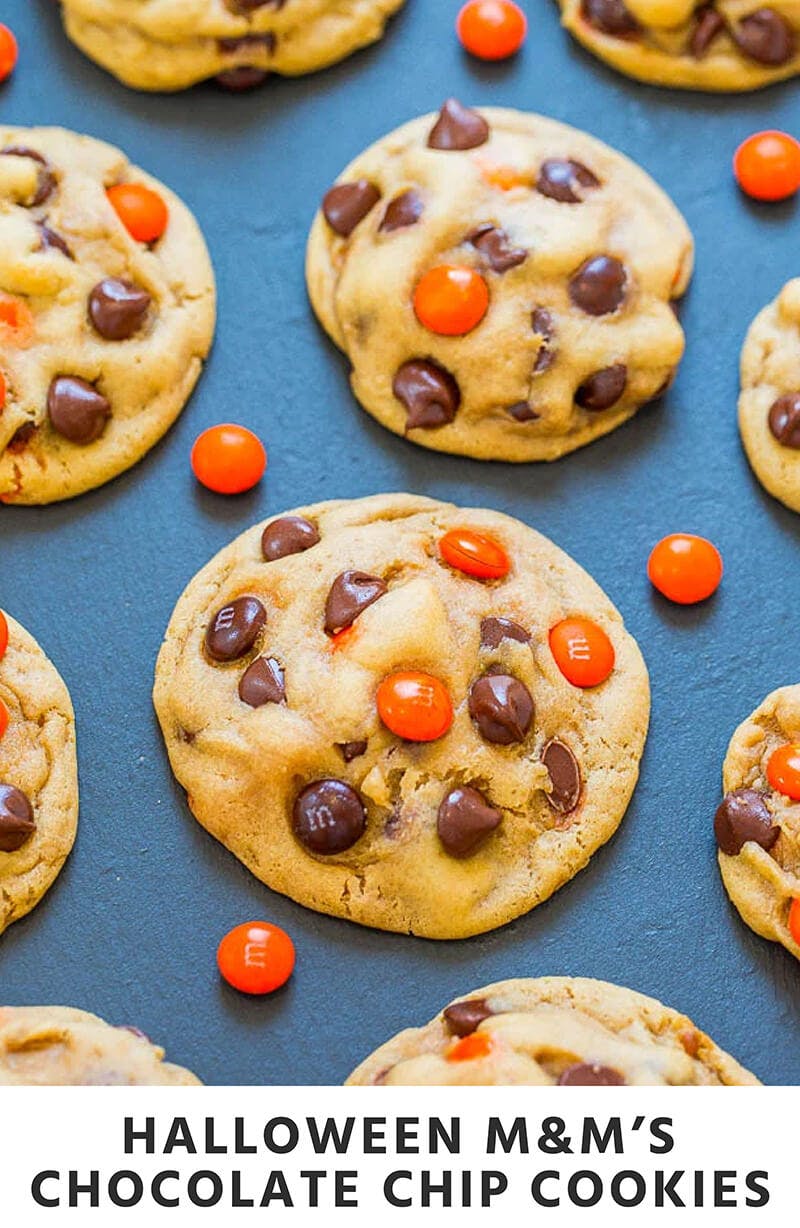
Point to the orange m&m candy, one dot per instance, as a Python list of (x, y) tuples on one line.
[(685, 568), (491, 29), (3, 718), (767, 165), (256, 958), (8, 52), (3, 634), (228, 459), (141, 210), (582, 651), (477, 1044), (415, 706), (451, 299), (794, 920), (3, 390), (474, 553), (783, 770), (16, 321)]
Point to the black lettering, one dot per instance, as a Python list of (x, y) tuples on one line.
[(330, 1134), (575, 1195), (756, 1183), (631, 1200), (180, 1138), (146, 1136), (137, 1188), (156, 1188), (592, 1138), (659, 1128), (195, 1197), (389, 1194), (666, 1189), (50, 1174), (536, 1189), (517, 1136), (285, 1123)]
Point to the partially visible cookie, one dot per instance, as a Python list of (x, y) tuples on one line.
[(717, 45), (503, 285), (38, 774), (567, 1031), (757, 826), (769, 403), (49, 1046), (102, 334), (172, 44)]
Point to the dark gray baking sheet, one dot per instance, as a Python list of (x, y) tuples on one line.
[(131, 926)]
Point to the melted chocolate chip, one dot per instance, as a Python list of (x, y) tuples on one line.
[(743, 816), (766, 37), (589, 1074), (543, 323), (351, 750), (430, 394), (240, 80), (563, 178), (265, 42), (495, 630), (350, 594), (495, 245), (602, 389), (288, 535), (784, 420), (462, 1018), (78, 412), (118, 308), (708, 23), (521, 411), (51, 240), (404, 210), (610, 16), (262, 683), (347, 204), (250, 6), (458, 128), (465, 819), (501, 707), (46, 180), (565, 776), (328, 817), (17, 823), (598, 286), (22, 437), (234, 629)]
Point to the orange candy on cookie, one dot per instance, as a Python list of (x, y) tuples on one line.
[(451, 299), (783, 770), (141, 210), (228, 459), (477, 1044), (475, 554), (16, 322), (582, 651), (491, 29), (3, 718), (767, 165), (685, 568), (8, 52), (256, 958), (794, 920), (415, 706)]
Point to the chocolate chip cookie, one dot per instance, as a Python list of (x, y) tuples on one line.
[(726, 45), (172, 44), (106, 312), (38, 773), (769, 403), (51, 1046), (503, 285), (562, 1031), (757, 825), (369, 703)]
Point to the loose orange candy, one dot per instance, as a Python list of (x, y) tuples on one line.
[(767, 165), (685, 568), (783, 770), (491, 29), (477, 1044), (141, 210), (16, 321), (474, 553), (228, 459), (3, 718), (3, 634), (256, 958), (415, 706), (8, 52), (794, 920), (451, 299), (582, 651)]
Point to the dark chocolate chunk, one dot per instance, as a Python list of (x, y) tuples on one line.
[(495, 630), (766, 37), (563, 179), (262, 683), (78, 412), (708, 23), (495, 245), (784, 419), (602, 389), (589, 1074), (464, 820), (462, 1018), (17, 823), (565, 776), (404, 210), (502, 708), (288, 535), (118, 308), (458, 128), (347, 204), (743, 816), (430, 394), (598, 286), (350, 594), (610, 16), (351, 750)]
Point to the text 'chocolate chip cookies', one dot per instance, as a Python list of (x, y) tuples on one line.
[(172, 44), (566, 1031), (106, 313), (370, 704), (503, 285), (726, 45)]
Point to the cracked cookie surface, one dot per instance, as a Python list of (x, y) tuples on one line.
[(102, 336), (57, 1046), (553, 1030), (385, 735), (38, 775), (572, 253), (173, 44)]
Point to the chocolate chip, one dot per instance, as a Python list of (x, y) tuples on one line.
[(743, 816), (784, 420), (347, 204), (501, 707), (610, 16), (265, 42), (598, 286), (328, 817), (562, 178), (765, 36), (45, 181), (351, 750), (543, 324), (118, 308), (262, 683), (707, 25), (77, 410), (565, 776), (250, 6), (234, 629), (495, 245), (495, 630), (589, 1074), (462, 1018), (458, 128), (17, 823), (240, 80), (430, 394), (350, 594), (288, 535), (51, 240), (22, 437), (465, 819), (521, 411), (404, 210), (602, 389)]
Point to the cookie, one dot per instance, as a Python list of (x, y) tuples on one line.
[(502, 285), (558, 1030), (769, 403), (102, 334), (757, 825), (364, 701), (725, 45), (57, 1046), (38, 773), (172, 44)]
